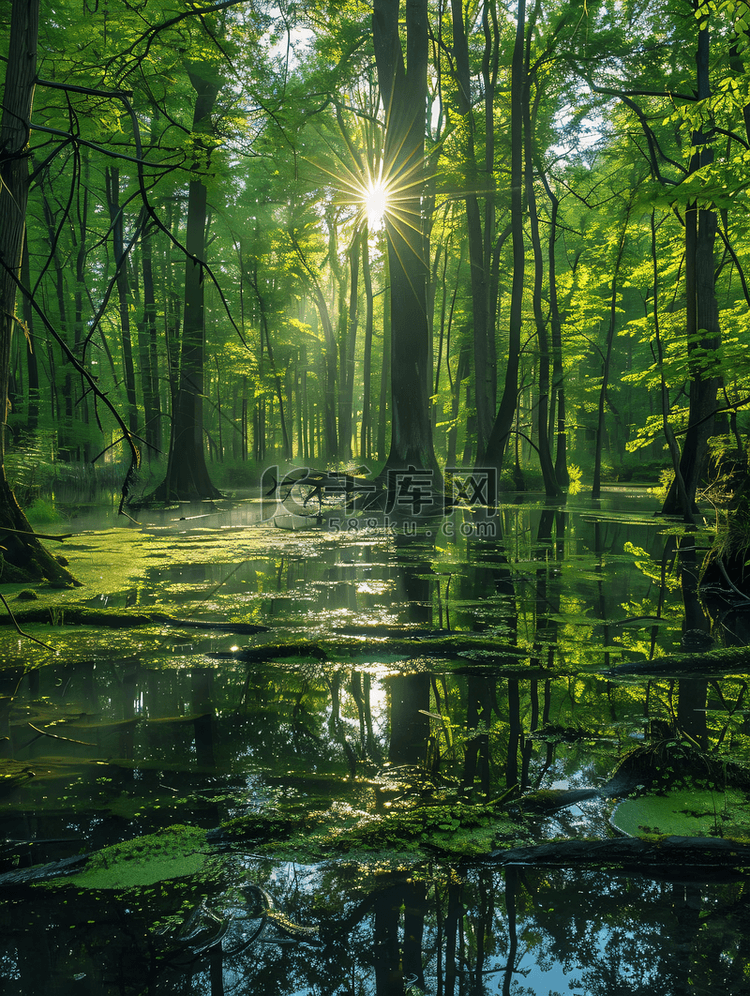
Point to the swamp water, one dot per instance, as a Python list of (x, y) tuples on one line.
[(347, 787)]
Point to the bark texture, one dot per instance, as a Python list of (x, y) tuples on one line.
[(23, 556), (187, 476), (403, 85)]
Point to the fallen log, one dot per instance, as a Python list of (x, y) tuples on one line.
[(458, 647), (325, 486), (43, 873), (630, 852), (82, 615), (727, 660), (677, 854)]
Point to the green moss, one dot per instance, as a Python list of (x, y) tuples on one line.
[(453, 830), (685, 812), (176, 852), (264, 827)]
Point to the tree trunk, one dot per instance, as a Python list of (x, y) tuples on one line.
[(265, 336), (23, 557), (147, 335), (385, 374), (32, 375), (187, 474), (501, 429), (557, 401), (702, 319), (298, 386), (329, 357), (551, 487), (596, 489), (365, 442), (80, 406), (149, 351), (112, 179), (347, 345), (485, 367), (461, 373), (404, 91), (674, 449), (62, 382)]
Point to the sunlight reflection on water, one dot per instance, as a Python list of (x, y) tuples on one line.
[(396, 676)]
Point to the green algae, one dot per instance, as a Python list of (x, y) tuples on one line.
[(685, 812), (82, 644), (173, 853), (453, 831), (113, 560)]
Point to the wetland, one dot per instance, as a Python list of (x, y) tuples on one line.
[(270, 754)]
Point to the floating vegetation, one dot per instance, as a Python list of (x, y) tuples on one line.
[(174, 852), (453, 830), (686, 812), (346, 726)]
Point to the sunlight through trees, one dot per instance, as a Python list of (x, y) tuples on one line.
[(427, 237)]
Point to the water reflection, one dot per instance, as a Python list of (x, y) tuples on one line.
[(468, 930), (399, 670)]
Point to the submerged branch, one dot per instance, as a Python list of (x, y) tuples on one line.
[(56, 736), (82, 615), (45, 536), (20, 631)]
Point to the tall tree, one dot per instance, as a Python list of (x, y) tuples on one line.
[(112, 183), (23, 555), (403, 87), (530, 108), (501, 429), (349, 320), (596, 487), (480, 220), (187, 475), (690, 196), (557, 399), (703, 330)]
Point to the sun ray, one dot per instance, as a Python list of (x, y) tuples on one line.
[(375, 204), (384, 193)]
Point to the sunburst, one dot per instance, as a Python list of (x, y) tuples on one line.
[(380, 195), (372, 192), (375, 204)]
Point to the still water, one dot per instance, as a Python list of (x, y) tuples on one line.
[(336, 772)]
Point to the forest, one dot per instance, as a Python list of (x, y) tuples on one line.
[(374, 497), (449, 236)]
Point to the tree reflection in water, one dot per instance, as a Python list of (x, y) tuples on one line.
[(467, 930), (355, 715)]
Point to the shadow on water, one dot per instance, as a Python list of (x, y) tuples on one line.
[(327, 806)]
